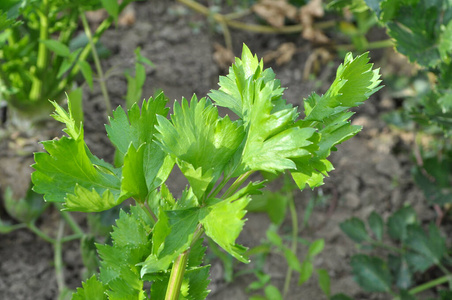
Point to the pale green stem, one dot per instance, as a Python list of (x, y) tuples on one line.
[(370, 46), (177, 276), (83, 55), (219, 187), (71, 222), (40, 233), (430, 284), (250, 27), (58, 258), (145, 206), (71, 237), (293, 214), (100, 72), (36, 88), (387, 247), (178, 269), (237, 183)]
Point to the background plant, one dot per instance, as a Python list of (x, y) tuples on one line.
[(415, 252), (160, 240), (38, 59)]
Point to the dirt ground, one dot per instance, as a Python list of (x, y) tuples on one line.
[(372, 170)]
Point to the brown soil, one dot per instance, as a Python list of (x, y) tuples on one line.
[(372, 170)]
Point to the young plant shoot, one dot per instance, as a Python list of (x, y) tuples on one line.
[(159, 240)]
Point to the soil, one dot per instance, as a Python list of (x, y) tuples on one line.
[(372, 170)]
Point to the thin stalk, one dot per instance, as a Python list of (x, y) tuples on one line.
[(58, 257), (251, 27), (177, 276), (40, 233), (100, 72), (145, 206), (41, 64), (71, 237), (83, 55), (369, 46), (293, 214), (71, 222), (219, 187), (446, 271), (430, 284), (237, 183), (387, 247)]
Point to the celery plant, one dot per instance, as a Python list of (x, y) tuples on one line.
[(160, 239)]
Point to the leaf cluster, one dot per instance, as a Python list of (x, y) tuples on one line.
[(215, 154), (38, 34), (416, 252)]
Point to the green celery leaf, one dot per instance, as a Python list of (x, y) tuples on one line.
[(223, 223), (138, 127), (66, 165), (196, 255), (70, 171), (355, 229), (371, 273), (198, 281), (151, 163), (131, 245), (173, 234), (256, 96), (133, 183), (187, 200), (202, 142), (92, 289), (355, 82)]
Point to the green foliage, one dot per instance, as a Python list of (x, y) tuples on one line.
[(35, 35), (26, 209), (418, 251), (158, 241)]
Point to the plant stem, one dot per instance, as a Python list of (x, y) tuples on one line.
[(293, 214), (71, 222), (36, 87), (40, 233), (100, 72), (177, 276), (237, 183), (148, 211), (219, 187), (83, 55), (369, 46), (430, 284), (71, 237), (58, 257), (250, 27), (387, 247)]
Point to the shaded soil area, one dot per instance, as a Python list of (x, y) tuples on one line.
[(372, 170)]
